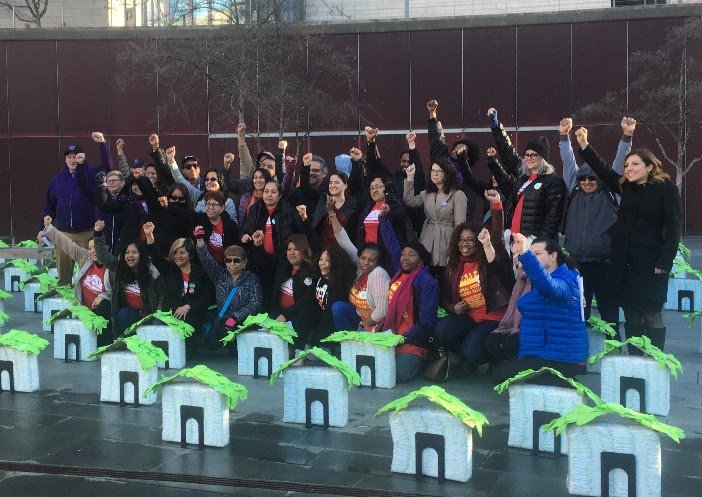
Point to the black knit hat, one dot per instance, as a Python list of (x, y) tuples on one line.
[(472, 152), (418, 247), (540, 146)]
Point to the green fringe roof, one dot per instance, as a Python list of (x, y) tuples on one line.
[(529, 373), (601, 326), (22, 341), (644, 343), (65, 292), (352, 376), (439, 396), (22, 264), (28, 244), (45, 281), (5, 295), (147, 353), (89, 319), (382, 339), (177, 326), (281, 330)]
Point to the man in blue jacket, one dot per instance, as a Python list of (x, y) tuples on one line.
[(72, 212)]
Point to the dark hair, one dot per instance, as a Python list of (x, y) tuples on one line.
[(266, 174), (217, 197), (220, 180), (322, 163), (376, 248), (342, 176), (657, 175), (405, 151), (454, 254), (342, 273), (301, 244), (551, 246), (143, 274), (450, 178), (184, 192), (277, 184)]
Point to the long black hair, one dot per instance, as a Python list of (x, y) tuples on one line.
[(450, 178), (124, 273), (342, 273), (551, 246)]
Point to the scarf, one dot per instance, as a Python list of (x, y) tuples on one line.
[(456, 277), (400, 299)]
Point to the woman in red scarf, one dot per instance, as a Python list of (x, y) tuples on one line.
[(476, 287), (413, 300)]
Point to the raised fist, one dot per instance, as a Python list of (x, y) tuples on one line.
[(246, 238), (99, 225), (384, 210), (307, 159), (257, 238), (282, 145), (411, 137), (120, 145), (80, 157), (491, 111), (302, 210), (163, 201), (411, 169), (519, 245), (47, 221), (371, 134), (628, 125), (98, 137), (491, 152), (581, 135), (228, 159), (356, 154), (170, 154), (153, 140), (493, 196), (432, 105), (241, 129), (148, 228), (565, 126), (484, 237)]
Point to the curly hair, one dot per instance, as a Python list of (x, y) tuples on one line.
[(454, 253), (342, 273), (220, 180), (450, 178)]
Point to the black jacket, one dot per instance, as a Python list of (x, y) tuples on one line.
[(396, 217), (231, 230), (285, 221), (349, 210)]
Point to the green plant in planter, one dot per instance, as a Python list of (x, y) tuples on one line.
[(65, 292), (89, 319), (281, 330), (601, 326), (380, 339), (352, 376), (22, 341), (22, 264), (45, 280), (147, 354), (530, 373), (644, 344), (232, 391), (177, 326), (583, 414), (439, 396)]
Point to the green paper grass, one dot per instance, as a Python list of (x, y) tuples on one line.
[(147, 353), (685, 252), (45, 281), (232, 391), (3, 245), (22, 264), (602, 326), (583, 414), (89, 319), (177, 326), (4, 318), (439, 396), (383, 339), (65, 292), (684, 267), (692, 317), (352, 377), (644, 343), (529, 373), (281, 330), (5, 295), (23, 341), (28, 244)]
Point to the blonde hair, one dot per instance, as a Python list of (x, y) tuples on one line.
[(544, 168), (179, 243)]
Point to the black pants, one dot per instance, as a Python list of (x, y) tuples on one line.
[(595, 282), (514, 366), (104, 310), (502, 346)]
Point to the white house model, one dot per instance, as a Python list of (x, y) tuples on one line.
[(75, 333), (19, 368), (167, 333)]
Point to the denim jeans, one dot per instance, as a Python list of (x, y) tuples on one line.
[(345, 316), (463, 336)]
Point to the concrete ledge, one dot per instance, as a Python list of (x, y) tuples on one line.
[(26, 253), (384, 26)]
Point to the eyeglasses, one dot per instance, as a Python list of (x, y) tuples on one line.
[(531, 155), (232, 260), (470, 241), (191, 165), (437, 171), (213, 204), (377, 188), (113, 180), (316, 171), (174, 198), (587, 178), (210, 179)]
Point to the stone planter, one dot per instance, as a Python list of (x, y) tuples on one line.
[(51, 306), (31, 292), (13, 276), (684, 295), (260, 353), (19, 371)]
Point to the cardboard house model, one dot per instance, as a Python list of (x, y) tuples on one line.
[(641, 383), (371, 355), (195, 406), (262, 345), (316, 394), (430, 440), (75, 333), (535, 399), (129, 367), (19, 368), (598, 331), (166, 332), (613, 450), (54, 300), (15, 271), (34, 286)]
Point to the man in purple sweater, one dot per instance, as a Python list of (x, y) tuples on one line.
[(72, 212)]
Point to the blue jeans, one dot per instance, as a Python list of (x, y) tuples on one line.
[(126, 317), (407, 366), (463, 336), (345, 316)]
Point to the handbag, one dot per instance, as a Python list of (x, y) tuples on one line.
[(438, 369), (219, 327)]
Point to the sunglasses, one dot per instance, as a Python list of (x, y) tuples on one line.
[(232, 260), (191, 165), (587, 178), (177, 199)]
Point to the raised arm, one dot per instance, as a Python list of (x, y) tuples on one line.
[(597, 163), (213, 270), (178, 176), (420, 181), (105, 157), (122, 163), (103, 255), (411, 200), (628, 125), (392, 245), (553, 288), (74, 251), (246, 163), (160, 160), (508, 155), (570, 166), (437, 141)]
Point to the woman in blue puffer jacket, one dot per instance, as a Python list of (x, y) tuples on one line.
[(552, 330)]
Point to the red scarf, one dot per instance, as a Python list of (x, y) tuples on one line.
[(400, 299), (456, 278)]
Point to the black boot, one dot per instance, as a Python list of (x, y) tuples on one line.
[(634, 330), (657, 336)]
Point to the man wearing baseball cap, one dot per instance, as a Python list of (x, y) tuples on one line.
[(71, 211)]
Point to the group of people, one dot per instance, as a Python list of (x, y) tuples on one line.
[(372, 248)]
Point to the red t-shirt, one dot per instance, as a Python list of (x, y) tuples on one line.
[(286, 297), (92, 284), (186, 281), (216, 243), (371, 224), (132, 294), (268, 234), (326, 233), (471, 292), (517, 217)]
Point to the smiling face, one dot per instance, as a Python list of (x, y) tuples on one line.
[(71, 162), (212, 182), (259, 180), (532, 160), (548, 261), (368, 260), (191, 170), (131, 256), (294, 255), (271, 194), (181, 257), (636, 170), (136, 190), (151, 174), (588, 184), (336, 185), (404, 161), (324, 264), (409, 259), (377, 191), (213, 210), (316, 174), (468, 243)]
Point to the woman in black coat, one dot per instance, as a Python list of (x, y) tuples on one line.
[(645, 237), (189, 291)]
